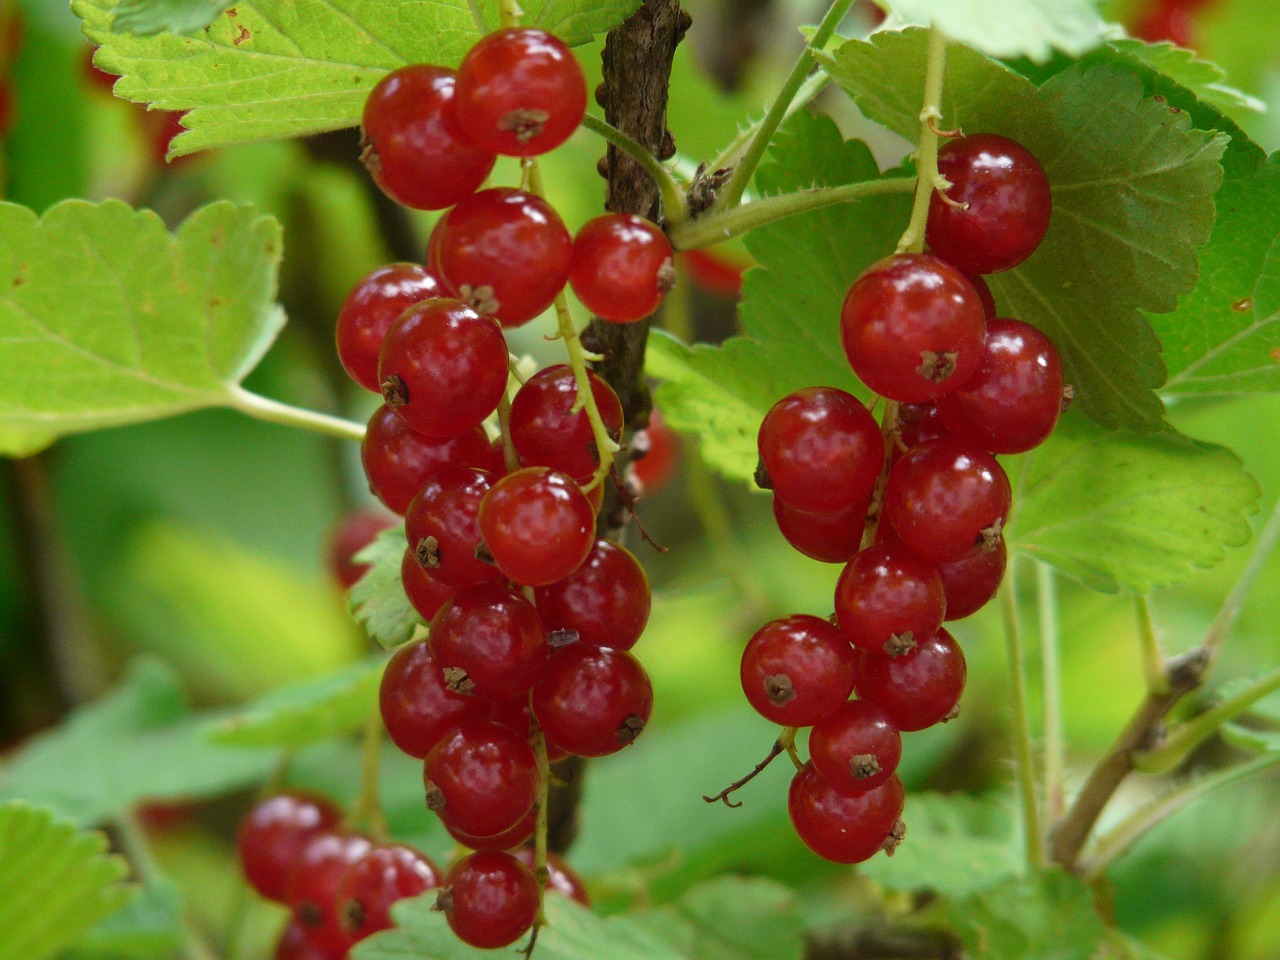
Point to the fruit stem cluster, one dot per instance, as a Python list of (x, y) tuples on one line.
[(926, 154)]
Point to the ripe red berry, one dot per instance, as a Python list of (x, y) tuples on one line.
[(398, 461), (655, 453), (369, 310), (443, 527), (426, 594), (162, 127), (520, 92), (912, 327), (972, 581), (855, 748), (843, 827), (313, 886), (272, 836), (1168, 20), (490, 899), (984, 294), (294, 945), (1008, 204), (506, 253), (828, 537), (482, 778), (548, 432), (797, 669), (622, 267), (605, 602), (592, 701), (418, 708), (1012, 402), (918, 689), (821, 450), (443, 367), (377, 880), (353, 533), (522, 832), (537, 525), (561, 878), (888, 599), (412, 143), (490, 643), (918, 423), (944, 497), (517, 713)]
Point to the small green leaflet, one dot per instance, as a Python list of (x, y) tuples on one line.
[(1008, 28), (1124, 510), (1048, 916), (148, 928), (106, 318), (268, 69), (377, 600), (58, 882)]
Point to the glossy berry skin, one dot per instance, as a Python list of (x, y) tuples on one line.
[(482, 778), (547, 433), (294, 945), (919, 689), (561, 878), (418, 708), (377, 880), (944, 497), (828, 537), (490, 899), (888, 598), (1168, 20), (352, 534), (538, 525), (424, 592), (605, 602), (912, 327), (918, 423), (1009, 204), (971, 582), (855, 748), (490, 643), (821, 449), (1012, 402), (844, 827), (412, 143), (655, 454), (797, 669), (506, 253), (443, 527), (592, 701), (273, 834), (517, 713), (313, 886), (373, 304), (622, 267), (520, 92), (522, 832), (398, 461), (443, 367), (984, 294)]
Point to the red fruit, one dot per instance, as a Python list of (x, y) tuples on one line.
[(412, 144), (918, 689), (592, 701), (490, 899), (162, 128), (97, 77), (713, 272), (918, 423), (972, 581), (605, 602), (443, 527), (425, 592), (517, 714), (370, 308), (655, 453), (622, 267), (538, 525), (418, 708), (546, 430), (352, 534), (856, 748), (313, 887), (1168, 21), (294, 945), (842, 827), (398, 461), (273, 834), (520, 833), (561, 878), (377, 880), (7, 108), (888, 599), (797, 670), (520, 92), (482, 778), (828, 537), (490, 643)]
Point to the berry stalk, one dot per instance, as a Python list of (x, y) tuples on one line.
[(675, 209), (927, 177), (1031, 829), (1051, 682)]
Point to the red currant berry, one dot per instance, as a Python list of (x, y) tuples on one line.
[(561, 878), (797, 670), (443, 527), (490, 899), (912, 327), (482, 777), (398, 460), (294, 945), (443, 367), (820, 450), (972, 581), (918, 689), (520, 92), (97, 78), (506, 253), (313, 886), (655, 453), (7, 108), (412, 144), (162, 128), (592, 701), (713, 272), (1012, 402), (522, 832), (425, 593), (605, 602), (843, 827), (418, 708), (272, 836), (538, 525), (1173, 22), (1007, 204), (944, 497), (856, 748), (828, 537), (548, 432), (918, 423), (622, 267), (377, 880), (984, 294), (369, 310), (517, 714), (490, 643), (888, 599), (352, 534)]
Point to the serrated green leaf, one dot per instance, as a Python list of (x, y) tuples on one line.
[(1008, 28), (1049, 916), (1132, 200), (58, 882), (148, 928), (1122, 510), (731, 918), (146, 17), (305, 713), (1202, 77), (268, 69), (140, 742), (106, 318), (378, 600)]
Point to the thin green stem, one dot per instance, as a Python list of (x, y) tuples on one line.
[(731, 194), (675, 209), (1153, 668), (481, 27), (368, 807), (732, 154), (511, 14), (1051, 680), (1234, 602), (509, 455), (540, 871), (927, 178), (1021, 729), (273, 411), (718, 226)]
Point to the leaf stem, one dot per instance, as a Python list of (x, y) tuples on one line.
[(1051, 680), (927, 178), (511, 14), (368, 807), (813, 85), (1021, 729), (675, 208), (273, 411)]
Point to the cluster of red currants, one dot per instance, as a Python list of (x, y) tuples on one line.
[(340, 885), (914, 507)]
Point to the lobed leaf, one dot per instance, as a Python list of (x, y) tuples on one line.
[(1203, 78), (731, 918), (1049, 916), (378, 600), (1008, 28), (149, 927)]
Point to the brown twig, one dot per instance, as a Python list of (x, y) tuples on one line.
[(723, 796)]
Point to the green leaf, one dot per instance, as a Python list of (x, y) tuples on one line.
[(175, 16), (1008, 28), (22, 442), (1121, 510), (140, 742), (731, 918), (148, 928), (1202, 77), (1133, 191), (268, 69), (58, 882), (378, 600), (1251, 740), (305, 713), (106, 318), (1049, 916)]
